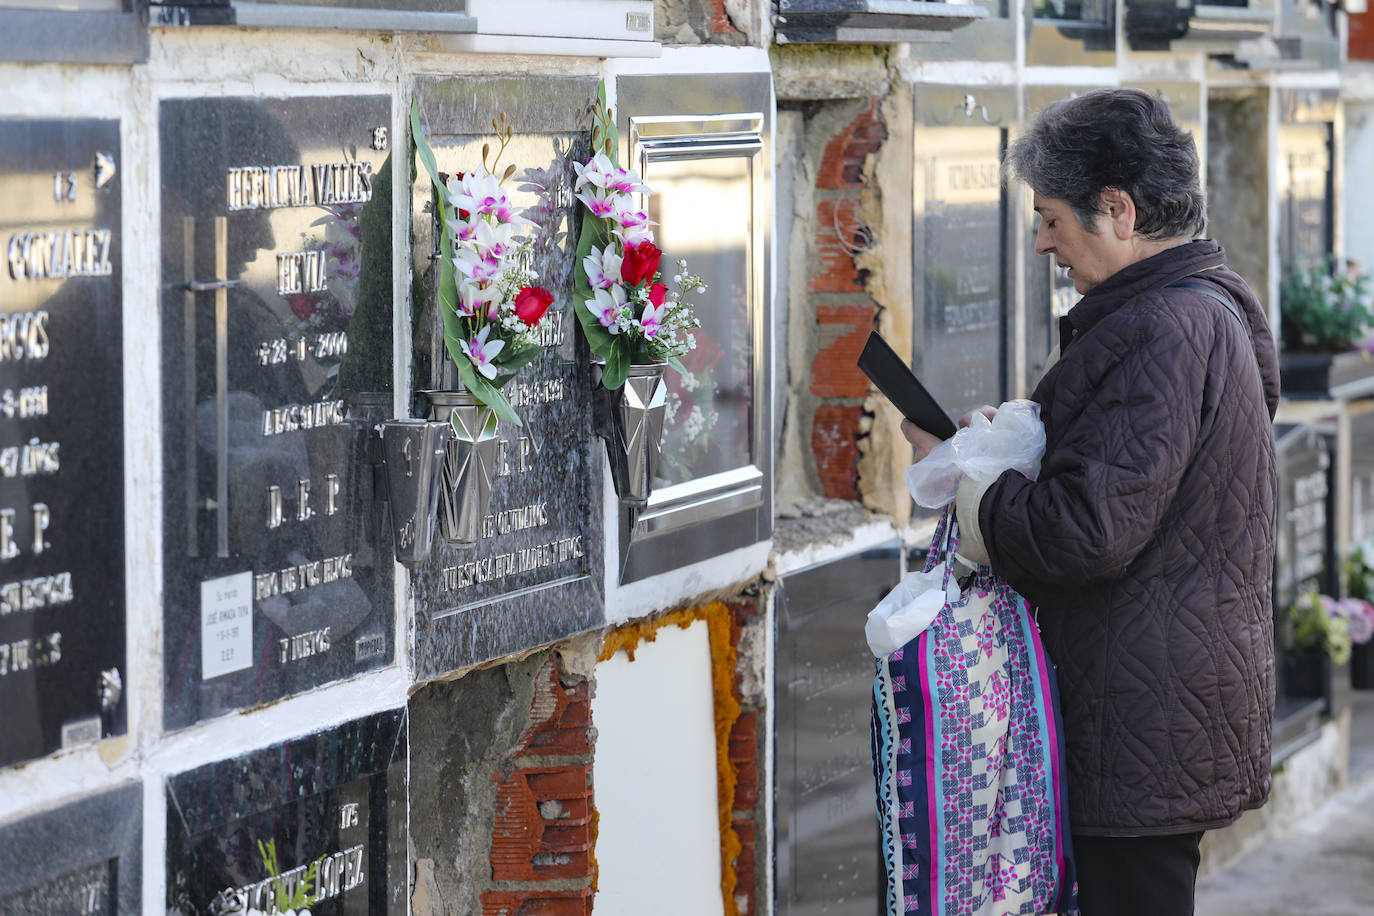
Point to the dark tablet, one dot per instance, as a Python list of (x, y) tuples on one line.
[(900, 386)]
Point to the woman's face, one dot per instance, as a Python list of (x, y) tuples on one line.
[(1090, 257)]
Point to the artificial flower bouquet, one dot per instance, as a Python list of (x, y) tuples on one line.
[(629, 315), (490, 305), (1327, 308), (1326, 625)]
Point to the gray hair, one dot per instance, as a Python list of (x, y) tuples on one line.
[(1114, 138)]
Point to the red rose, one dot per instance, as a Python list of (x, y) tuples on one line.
[(640, 263), (531, 303), (657, 294)]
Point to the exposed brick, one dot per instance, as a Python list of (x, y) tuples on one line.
[(537, 903), (542, 824), (834, 442), (842, 160), (720, 19), (839, 235), (744, 865), (560, 717), (843, 330)]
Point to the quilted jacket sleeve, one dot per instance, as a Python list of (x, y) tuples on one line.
[(1123, 426)]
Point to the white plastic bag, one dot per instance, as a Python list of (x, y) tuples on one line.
[(1012, 440), (907, 610)]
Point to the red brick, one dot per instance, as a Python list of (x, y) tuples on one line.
[(843, 330), (560, 717), (720, 19), (834, 442), (527, 847), (840, 234), (842, 160), (1361, 38), (537, 903)]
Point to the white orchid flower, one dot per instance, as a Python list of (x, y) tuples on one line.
[(603, 267), (596, 172), (477, 268), (481, 351), (607, 305), (474, 298)]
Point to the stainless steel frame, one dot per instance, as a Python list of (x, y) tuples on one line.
[(674, 117)]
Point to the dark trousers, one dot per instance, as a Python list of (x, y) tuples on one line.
[(1136, 875)]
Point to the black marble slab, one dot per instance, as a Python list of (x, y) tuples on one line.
[(536, 574), (61, 437), (960, 247), (827, 845), (55, 863), (1305, 547), (276, 364), (330, 807)]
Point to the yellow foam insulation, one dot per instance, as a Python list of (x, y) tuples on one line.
[(727, 710)]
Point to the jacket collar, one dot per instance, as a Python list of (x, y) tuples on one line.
[(1154, 272)]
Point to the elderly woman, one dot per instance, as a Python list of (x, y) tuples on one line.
[(1147, 542)]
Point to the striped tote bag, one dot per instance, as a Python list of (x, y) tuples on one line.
[(968, 759)]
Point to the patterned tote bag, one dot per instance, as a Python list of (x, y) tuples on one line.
[(968, 759)]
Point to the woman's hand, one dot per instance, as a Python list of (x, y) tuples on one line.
[(925, 442)]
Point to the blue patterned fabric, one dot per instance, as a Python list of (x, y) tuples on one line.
[(968, 760)]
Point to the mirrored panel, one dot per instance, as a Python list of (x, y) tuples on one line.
[(276, 365), (316, 823), (54, 863), (958, 291), (702, 144), (827, 852), (535, 573), (62, 666)]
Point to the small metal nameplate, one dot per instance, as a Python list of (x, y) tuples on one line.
[(639, 22), (81, 731)]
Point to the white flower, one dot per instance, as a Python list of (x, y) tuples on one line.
[(627, 181), (625, 214), (607, 306), (493, 241), (597, 172), (633, 235), (652, 320), (603, 267), (603, 203), (475, 266), (481, 351), (474, 298)]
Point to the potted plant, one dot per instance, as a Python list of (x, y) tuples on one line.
[(1321, 628), (634, 324), (1360, 589), (491, 313), (1328, 330)]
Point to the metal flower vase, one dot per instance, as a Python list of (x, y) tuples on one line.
[(413, 452), (469, 464), (630, 420)]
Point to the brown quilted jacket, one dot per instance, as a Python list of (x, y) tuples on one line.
[(1147, 544)]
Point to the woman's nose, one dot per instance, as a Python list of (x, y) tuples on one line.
[(1042, 244)]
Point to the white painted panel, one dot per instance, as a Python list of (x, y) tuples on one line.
[(654, 778)]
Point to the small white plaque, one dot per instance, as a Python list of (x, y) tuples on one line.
[(226, 625)]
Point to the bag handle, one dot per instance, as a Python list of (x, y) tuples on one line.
[(944, 544)]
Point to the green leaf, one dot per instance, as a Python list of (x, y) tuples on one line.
[(594, 234), (677, 364), (617, 364), (424, 150), (507, 370), (486, 392)]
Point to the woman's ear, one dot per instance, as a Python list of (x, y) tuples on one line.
[(1119, 208)]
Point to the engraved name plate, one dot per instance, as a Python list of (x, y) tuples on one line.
[(61, 437), (276, 363), (535, 575), (314, 823)]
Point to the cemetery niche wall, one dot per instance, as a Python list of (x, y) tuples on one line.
[(62, 633), (277, 363), (535, 574)]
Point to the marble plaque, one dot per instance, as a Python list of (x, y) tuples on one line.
[(1305, 548), (316, 822), (62, 665), (54, 863), (276, 365), (1362, 478), (535, 575), (828, 837), (959, 250), (1304, 185)]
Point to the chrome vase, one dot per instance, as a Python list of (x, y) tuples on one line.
[(469, 464), (630, 420), (413, 454)]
